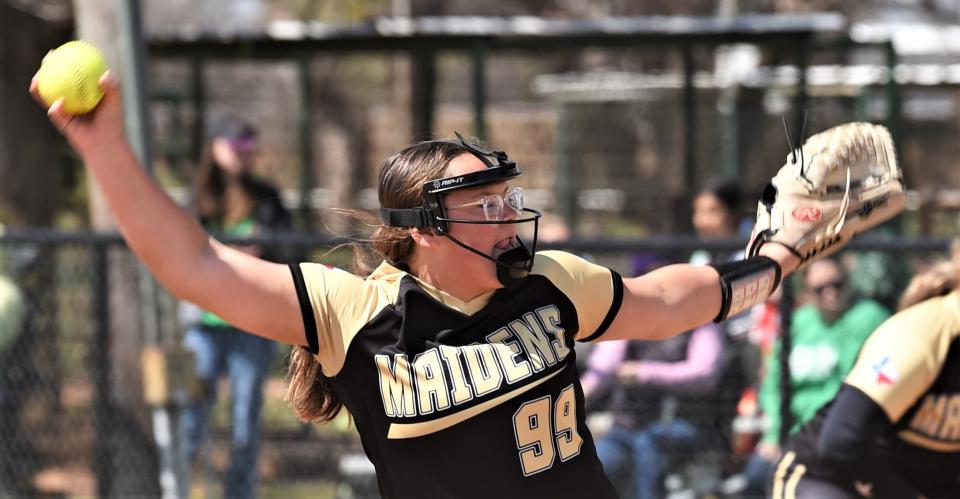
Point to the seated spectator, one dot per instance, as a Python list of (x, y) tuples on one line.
[(716, 216), (660, 401), (826, 334)]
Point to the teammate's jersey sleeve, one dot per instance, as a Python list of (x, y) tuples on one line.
[(335, 305), (596, 291), (903, 357)]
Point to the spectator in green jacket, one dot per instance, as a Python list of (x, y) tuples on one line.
[(827, 333)]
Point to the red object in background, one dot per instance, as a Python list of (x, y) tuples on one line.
[(748, 404), (748, 425), (766, 325)]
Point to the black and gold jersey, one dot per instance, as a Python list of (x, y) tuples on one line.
[(465, 399), (909, 367)]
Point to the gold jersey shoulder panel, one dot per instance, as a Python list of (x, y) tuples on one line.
[(589, 286), (343, 303), (906, 354)]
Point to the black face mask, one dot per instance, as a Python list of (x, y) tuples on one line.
[(514, 264)]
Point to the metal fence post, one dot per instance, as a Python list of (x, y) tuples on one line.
[(478, 59), (100, 367)]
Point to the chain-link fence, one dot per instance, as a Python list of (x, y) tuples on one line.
[(75, 423), (615, 135)]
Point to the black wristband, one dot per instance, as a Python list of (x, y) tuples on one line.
[(745, 283)]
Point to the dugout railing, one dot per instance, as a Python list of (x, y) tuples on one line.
[(60, 427)]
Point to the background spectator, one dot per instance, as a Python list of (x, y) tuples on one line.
[(232, 202), (827, 334), (662, 404)]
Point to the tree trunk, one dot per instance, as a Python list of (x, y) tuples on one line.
[(31, 151), (134, 462)]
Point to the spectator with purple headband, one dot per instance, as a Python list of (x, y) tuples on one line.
[(230, 201)]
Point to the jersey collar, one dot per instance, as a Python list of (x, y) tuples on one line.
[(390, 273)]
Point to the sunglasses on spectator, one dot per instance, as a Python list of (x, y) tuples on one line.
[(836, 285)]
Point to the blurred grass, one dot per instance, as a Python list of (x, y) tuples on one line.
[(299, 490), (275, 489), (278, 489)]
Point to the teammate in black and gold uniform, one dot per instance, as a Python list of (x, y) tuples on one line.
[(455, 356), (893, 430)]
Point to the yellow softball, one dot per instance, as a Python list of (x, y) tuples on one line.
[(72, 72)]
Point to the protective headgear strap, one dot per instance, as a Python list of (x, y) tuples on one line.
[(406, 217)]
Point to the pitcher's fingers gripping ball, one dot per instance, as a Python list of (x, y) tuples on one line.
[(840, 183), (72, 72)]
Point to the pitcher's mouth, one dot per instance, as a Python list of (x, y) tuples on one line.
[(505, 244)]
